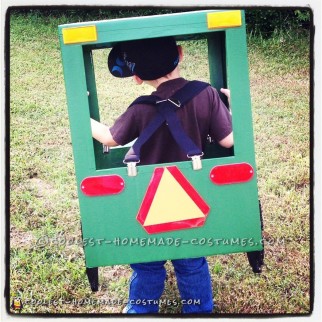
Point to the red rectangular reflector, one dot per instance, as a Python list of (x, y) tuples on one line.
[(102, 185), (231, 173)]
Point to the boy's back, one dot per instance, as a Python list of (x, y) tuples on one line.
[(204, 115)]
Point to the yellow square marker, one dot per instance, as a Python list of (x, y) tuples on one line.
[(79, 34), (224, 19)]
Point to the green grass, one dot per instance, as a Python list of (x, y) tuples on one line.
[(43, 188)]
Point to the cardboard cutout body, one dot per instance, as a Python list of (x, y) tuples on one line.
[(166, 211)]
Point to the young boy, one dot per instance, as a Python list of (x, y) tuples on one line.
[(156, 62)]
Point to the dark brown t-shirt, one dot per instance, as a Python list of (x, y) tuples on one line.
[(204, 115)]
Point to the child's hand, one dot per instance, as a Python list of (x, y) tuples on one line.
[(226, 91)]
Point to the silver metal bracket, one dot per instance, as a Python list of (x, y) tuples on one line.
[(174, 102), (106, 149)]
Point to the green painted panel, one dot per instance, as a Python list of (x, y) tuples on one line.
[(110, 229), (109, 223), (116, 30), (78, 109)]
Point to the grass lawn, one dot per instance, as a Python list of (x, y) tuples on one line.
[(49, 276)]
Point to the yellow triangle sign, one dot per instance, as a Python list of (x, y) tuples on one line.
[(171, 203)]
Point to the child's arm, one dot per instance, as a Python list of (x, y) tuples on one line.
[(101, 133), (228, 141)]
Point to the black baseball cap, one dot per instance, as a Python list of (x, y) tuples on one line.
[(149, 59)]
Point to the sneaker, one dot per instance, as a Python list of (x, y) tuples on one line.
[(129, 310)]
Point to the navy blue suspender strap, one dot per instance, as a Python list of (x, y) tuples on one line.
[(167, 113)]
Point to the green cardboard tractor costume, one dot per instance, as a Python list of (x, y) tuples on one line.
[(134, 213)]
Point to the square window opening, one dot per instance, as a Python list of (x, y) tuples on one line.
[(109, 97)]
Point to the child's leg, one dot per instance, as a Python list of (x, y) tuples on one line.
[(146, 287), (194, 284)]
